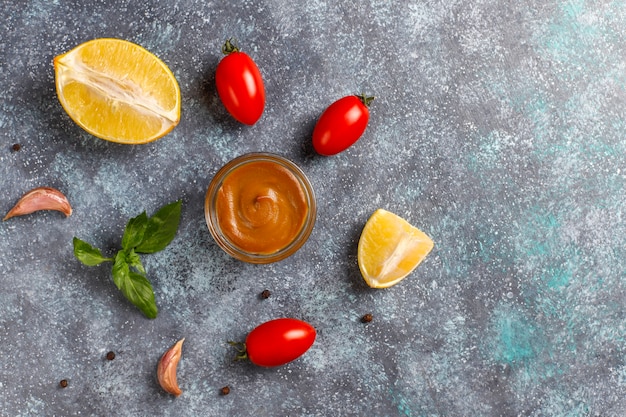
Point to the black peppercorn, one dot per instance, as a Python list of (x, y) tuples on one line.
[(367, 318), (16, 147), (225, 390), (111, 355), (63, 383), (265, 294)]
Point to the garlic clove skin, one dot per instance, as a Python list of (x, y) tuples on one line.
[(41, 198), (166, 369)]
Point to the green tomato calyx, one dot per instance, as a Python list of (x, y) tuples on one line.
[(242, 353), (230, 46), (365, 99)]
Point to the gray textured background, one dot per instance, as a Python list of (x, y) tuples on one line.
[(498, 129)]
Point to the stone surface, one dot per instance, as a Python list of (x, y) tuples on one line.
[(498, 129)]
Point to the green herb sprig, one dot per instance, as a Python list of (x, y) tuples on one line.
[(142, 234)]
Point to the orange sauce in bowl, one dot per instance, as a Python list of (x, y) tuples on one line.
[(261, 207)]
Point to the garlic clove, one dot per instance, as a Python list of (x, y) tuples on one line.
[(166, 369), (41, 198)]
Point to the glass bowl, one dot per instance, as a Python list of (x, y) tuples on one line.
[(260, 208)]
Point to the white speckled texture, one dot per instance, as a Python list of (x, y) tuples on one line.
[(498, 129)]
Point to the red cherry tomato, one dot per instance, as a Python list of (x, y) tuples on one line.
[(279, 341), (341, 124), (239, 85)]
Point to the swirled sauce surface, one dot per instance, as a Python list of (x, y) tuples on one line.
[(261, 207)]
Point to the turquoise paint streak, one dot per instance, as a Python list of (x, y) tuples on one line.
[(579, 36), (570, 41), (519, 342), (403, 406), (486, 155), (574, 8), (515, 338), (539, 233), (556, 277), (549, 292)]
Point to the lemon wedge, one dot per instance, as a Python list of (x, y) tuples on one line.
[(118, 91), (390, 248)]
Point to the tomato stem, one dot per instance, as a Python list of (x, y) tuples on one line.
[(242, 354), (365, 99), (230, 46)]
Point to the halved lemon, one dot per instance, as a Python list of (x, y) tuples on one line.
[(118, 91), (390, 248)]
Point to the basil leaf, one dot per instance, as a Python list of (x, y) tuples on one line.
[(134, 261), (161, 228), (134, 232), (87, 254), (138, 290), (135, 287), (121, 271)]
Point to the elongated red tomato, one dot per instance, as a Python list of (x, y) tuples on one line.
[(239, 85), (341, 124), (279, 341)]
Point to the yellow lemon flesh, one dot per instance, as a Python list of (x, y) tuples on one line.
[(390, 248), (118, 91)]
